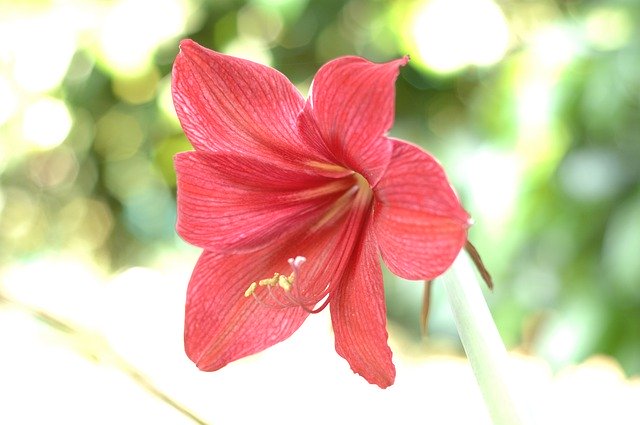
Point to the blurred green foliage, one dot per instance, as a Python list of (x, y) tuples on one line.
[(533, 108)]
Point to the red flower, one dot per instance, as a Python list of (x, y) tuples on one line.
[(293, 201)]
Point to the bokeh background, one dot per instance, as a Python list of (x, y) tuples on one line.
[(533, 108)]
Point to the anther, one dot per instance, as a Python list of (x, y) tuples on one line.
[(250, 290), (285, 282), (270, 281)]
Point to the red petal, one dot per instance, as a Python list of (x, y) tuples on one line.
[(352, 102), (221, 324), (420, 225), (358, 315), (329, 247), (232, 202), (227, 103)]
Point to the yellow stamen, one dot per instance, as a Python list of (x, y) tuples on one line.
[(250, 290), (285, 283), (270, 281)]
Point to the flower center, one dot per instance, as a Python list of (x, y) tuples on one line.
[(279, 290), (284, 282), (340, 224), (358, 191), (364, 189)]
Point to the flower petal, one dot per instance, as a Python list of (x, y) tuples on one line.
[(233, 202), (420, 225), (227, 103), (221, 324), (358, 314), (352, 104), (329, 246)]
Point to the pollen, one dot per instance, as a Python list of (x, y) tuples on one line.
[(250, 290), (279, 280), (272, 281), (285, 282)]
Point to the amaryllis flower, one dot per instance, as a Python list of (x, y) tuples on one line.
[(294, 201)]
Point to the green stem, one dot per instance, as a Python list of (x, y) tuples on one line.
[(483, 345)]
